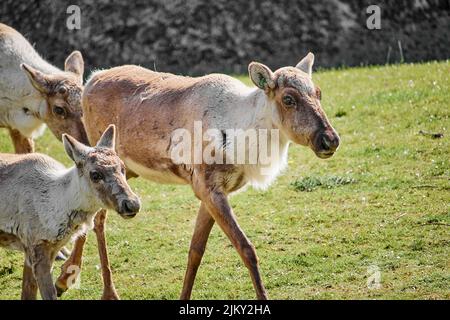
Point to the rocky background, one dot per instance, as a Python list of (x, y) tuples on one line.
[(202, 36)]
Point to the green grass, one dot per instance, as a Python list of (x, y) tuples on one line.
[(394, 214)]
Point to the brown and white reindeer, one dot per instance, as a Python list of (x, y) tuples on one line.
[(33, 93), (148, 107), (43, 205)]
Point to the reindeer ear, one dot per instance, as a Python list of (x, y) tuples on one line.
[(75, 64), (39, 80), (261, 76), (74, 149), (306, 64), (108, 139)]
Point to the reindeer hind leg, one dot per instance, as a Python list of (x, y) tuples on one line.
[(200, 237), (72, 264)]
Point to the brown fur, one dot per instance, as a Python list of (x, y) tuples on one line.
[(147, 106)]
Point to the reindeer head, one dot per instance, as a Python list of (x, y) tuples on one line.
[(298, 112), (62, 92), (104, 173)]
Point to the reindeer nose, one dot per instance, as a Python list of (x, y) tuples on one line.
[(129, 208), (326, 143), (330, 142)]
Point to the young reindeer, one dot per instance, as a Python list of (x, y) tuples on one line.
[(33, 93), (43, 205), (147, 108)]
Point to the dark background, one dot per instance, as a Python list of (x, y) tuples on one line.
[(203, 36)]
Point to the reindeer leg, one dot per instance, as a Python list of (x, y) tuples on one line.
[(202, 229), (21, 143), (63, 254), (219, 208), (67, 269), (29, 284), (109, 290), (42, 260)]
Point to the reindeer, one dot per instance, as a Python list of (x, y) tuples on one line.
[(43, 205), (147, 107), (33, 93)]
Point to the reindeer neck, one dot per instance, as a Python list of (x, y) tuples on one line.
[(36, 61), (73, 192), (264, 115), (264, 112)]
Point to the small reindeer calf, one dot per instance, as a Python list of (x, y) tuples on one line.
[(43, 205)]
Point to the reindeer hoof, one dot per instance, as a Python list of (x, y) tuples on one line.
[(110, 296), (60, 256), (65, 251), (60, 289)]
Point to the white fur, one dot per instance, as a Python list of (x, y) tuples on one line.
[(41, 200), (248, 108)]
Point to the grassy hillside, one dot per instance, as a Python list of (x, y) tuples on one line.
[(381, 202)]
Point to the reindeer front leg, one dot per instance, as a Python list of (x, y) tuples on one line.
[(42, 260), (21, 143), (109, 290), (29, 284), (200, 237), (217, 204)]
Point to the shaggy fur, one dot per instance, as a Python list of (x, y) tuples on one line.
[(43, 204)]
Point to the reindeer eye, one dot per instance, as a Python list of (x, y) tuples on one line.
[(96, 176), (62, 90), (122, 170), (59, 111), (289, 101)]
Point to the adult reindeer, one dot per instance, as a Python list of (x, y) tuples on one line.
[(147, 107), (33, 93)]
